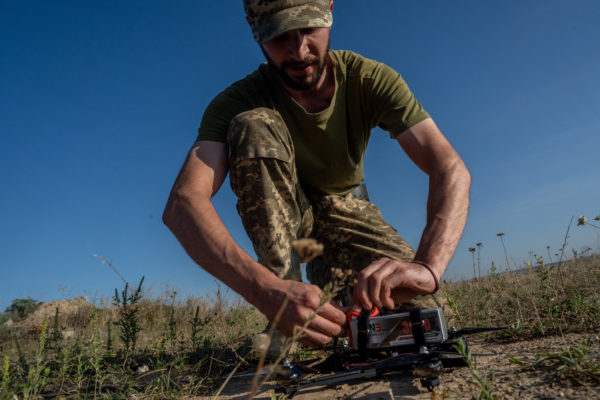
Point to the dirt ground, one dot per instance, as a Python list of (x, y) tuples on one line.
[(511, 381)]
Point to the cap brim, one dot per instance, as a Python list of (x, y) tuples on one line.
[(314, 15)]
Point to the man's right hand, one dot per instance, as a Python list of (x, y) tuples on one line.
[(303, 299), (194, 221)]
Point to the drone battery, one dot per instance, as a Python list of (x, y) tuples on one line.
[(394, 330)]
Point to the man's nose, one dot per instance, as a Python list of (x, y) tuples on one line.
[(298, 45)]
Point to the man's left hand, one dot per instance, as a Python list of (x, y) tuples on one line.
[(386, 283)]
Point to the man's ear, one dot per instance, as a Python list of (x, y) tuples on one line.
[(331, 5)]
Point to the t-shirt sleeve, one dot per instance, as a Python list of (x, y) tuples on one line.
[(218, 115), (395, 107)]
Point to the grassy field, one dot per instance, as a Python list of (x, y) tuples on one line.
[(142, 347)]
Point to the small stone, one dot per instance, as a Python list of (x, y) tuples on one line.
[(142, 369), (270, 348)]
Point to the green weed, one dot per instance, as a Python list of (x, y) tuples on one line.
[(5, 374), (484, 381), (38, 371), (577, 362), (128, 322)]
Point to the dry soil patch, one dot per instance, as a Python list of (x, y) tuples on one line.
[(512, 381)]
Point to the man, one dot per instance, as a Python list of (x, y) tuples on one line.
[(293, 136)]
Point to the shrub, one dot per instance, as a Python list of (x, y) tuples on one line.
[(21, 308)]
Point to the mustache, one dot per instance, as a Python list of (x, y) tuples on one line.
[(299, 64)]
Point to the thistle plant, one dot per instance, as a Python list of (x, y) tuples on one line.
[(500, 235), (583, 221), (479, 246), (472, 251)]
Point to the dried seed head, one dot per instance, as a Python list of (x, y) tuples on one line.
[(307, 249), (338, 273)]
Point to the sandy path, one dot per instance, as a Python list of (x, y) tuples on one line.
[(512, 381)]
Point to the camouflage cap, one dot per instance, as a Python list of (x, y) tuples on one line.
[(271, 18)]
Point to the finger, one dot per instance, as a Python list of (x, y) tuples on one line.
[(333, 313), (395, 280), (386, 296), (361, 292), (377, 279), (313, 338), (325, 326)]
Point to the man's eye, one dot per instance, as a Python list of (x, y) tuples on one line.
[(308, 31)]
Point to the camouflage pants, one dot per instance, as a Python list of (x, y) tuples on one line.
[(275, 210)]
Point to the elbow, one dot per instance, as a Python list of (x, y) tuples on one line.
[(182, 205), (457, 172), (168, 214), (466, 175), (463, 184), (172, 210), (462, 177)]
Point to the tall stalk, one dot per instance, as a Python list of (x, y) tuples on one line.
[(472, 251), (504, 247)]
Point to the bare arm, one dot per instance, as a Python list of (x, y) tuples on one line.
[(388, 282), (190, 215)]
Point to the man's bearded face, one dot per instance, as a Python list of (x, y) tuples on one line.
[(300, 66)]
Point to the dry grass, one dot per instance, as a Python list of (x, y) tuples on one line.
[(541, 300), (184, 347)]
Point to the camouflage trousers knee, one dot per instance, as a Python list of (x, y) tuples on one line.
[(275, 211)]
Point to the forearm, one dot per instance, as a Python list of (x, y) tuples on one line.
[(205, 238), (447, 209), (192, 218), (207, 241)]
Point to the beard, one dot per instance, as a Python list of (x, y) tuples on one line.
[(302, 82)]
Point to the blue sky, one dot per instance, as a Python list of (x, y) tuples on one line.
[(100, 101)]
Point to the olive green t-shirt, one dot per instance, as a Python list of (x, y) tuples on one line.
[(330, 145)]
